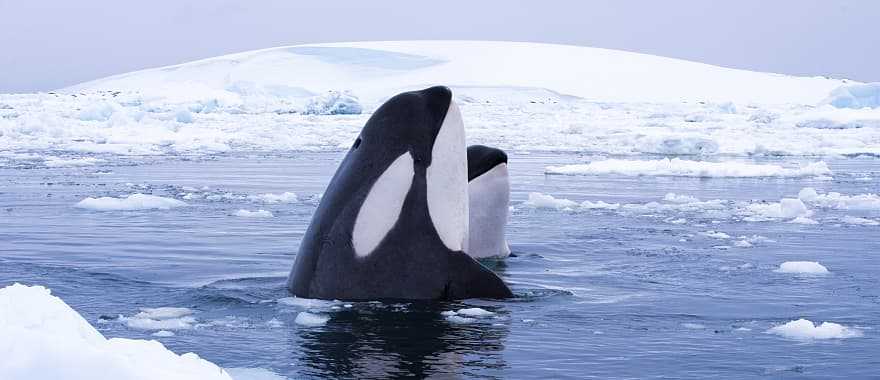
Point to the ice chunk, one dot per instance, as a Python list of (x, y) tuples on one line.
[(162, 318), (163, 333), (285, 197), (840, 201), (785, 209), (456, 319), (855, 96), (253, 214), (803, 220), (716, 235), (677, 167), (99, 111), (38, 328), (132, 202), (809, 267), (58, 162), (679, 198), (546, 201), (860, 221), (805, 329), (305, 318), (333, 103), (475, 312)]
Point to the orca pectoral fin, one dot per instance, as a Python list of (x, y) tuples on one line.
[(470, 279)]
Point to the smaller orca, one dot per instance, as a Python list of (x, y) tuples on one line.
[(489, 198)]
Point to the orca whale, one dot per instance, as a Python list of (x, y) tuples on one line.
[(489, 199), (393, 222)]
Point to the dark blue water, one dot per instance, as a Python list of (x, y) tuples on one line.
[(601, 293)]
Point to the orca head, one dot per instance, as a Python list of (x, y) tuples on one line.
[(482, 159), (417, 132)]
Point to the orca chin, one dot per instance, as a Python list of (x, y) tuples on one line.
[(394, 220)]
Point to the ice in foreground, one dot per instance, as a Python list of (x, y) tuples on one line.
[(43, 338), (805, 329)]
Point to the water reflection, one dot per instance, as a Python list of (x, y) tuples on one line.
[(402, 340)]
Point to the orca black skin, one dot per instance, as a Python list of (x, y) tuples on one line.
[(482, 158), (411, 261)]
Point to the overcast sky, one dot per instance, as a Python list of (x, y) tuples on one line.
[(49, 44)]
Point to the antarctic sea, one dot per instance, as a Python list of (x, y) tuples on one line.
[(601, 293)]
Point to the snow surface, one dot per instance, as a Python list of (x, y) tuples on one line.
[(516, 96), (677, 167), (371, 69), (808, 267), (804, 329), (43, 338), (132, 202)]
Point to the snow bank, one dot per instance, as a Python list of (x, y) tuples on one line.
[(855, 96), (333, 103), (253, 214), (677, 167), (839, 201), (805, 329), (807, 267), (129, 203), (43, 338)]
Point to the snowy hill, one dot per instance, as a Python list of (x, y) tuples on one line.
[(516, 96), (373, 70)]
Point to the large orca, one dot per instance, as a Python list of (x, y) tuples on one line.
[(489, 205), (393, 222)]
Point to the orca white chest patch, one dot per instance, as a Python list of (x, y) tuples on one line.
[(447, 181), (488, 212), (382, 206)]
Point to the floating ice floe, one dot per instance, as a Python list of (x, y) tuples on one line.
[(801, 267), (804, 329), (162, 318), (132, 202), (677, 167), (305, 318), (787, 208), (285, 197), (466, 315), (840, 201), (58, 162), (253, 214), (716, 235), (859, 221), (38, 328)]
